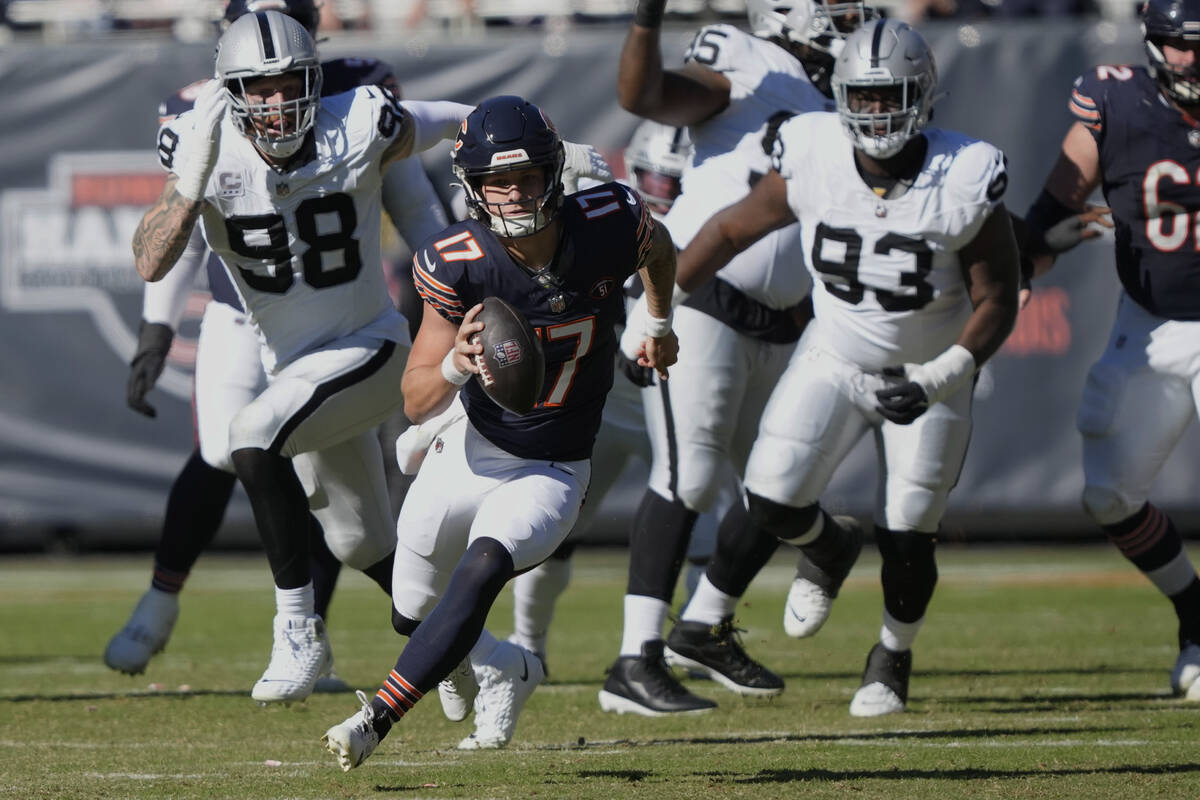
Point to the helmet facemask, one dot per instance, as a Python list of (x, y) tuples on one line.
[(1180, 83), (273, 55), (904, 111), (277, 128), (515, 219), (883, 85)]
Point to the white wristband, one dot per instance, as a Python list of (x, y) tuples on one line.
[(657, 328), (942, 376), (451, 373)]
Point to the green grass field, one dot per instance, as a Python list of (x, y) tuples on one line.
[(1040, 673)]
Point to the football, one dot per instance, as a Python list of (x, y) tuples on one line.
[(512, 364)]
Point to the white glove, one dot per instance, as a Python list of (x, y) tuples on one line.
[(582, 161), (198, 155)]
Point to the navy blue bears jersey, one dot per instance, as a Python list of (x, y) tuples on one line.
[(606, 234), (1150, 168), (339, 75)]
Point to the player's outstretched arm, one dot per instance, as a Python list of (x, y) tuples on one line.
[(660, 348), (163, 232), (423, 124), (439, 363), (1072, 179), (733, 229), (683, 97)]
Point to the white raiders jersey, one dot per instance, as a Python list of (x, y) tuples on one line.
[(303, 248), (732, 151), (888, 288)]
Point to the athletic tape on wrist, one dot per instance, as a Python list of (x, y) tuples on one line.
[(451, 373), (657, 328)]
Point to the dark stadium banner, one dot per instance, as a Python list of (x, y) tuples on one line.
[(78, 170)]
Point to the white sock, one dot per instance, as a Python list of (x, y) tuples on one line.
[(296, 602), (644, 620), (898, 636), (535, 595), (483, 648), (1174, 576), (709, 604)]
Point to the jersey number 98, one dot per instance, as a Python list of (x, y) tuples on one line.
[(339, 240)]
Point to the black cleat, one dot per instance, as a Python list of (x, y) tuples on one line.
[(644, 685), (884, 688), (717, 651)]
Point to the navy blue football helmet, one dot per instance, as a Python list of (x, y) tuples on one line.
[(305, 12), (1172, 19), (505, 134)]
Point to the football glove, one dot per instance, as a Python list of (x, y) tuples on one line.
[(198, 154), (927, 383), (154, 342), (582, 161)]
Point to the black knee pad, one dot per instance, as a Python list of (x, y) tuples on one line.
[(402, 624), (909, 572), (782, 522)]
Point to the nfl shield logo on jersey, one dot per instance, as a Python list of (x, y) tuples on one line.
[(508, 353)]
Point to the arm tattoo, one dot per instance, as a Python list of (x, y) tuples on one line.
[(658, 271), (163, 232)]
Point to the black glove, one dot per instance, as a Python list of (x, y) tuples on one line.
[(902, 403), (636, 373), (154, 342)]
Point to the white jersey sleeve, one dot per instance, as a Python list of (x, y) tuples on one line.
[(411, 202), (165, 301)]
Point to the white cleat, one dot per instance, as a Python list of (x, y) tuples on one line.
[(354, 739), (146, 633), (458, 691), (808, 607), (299, 656), (506, 680), (1185, 677), (875, 700)]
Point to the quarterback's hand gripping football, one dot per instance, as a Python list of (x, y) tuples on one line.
[(154, 342), (198, 154), (928, 383), (582, 161), (459, 364)]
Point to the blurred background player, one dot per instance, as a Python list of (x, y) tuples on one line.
[(915, 273), (733, 92), (1135, 134), (300, 236), (499, 492), (229, 373)]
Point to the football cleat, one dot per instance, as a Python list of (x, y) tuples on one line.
[(506, 680), (1185, 677), (884, 688), (716, 651), (644, 685), (810, 600), (458, 690), (355, 739), (299, 655), (146, 633)]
